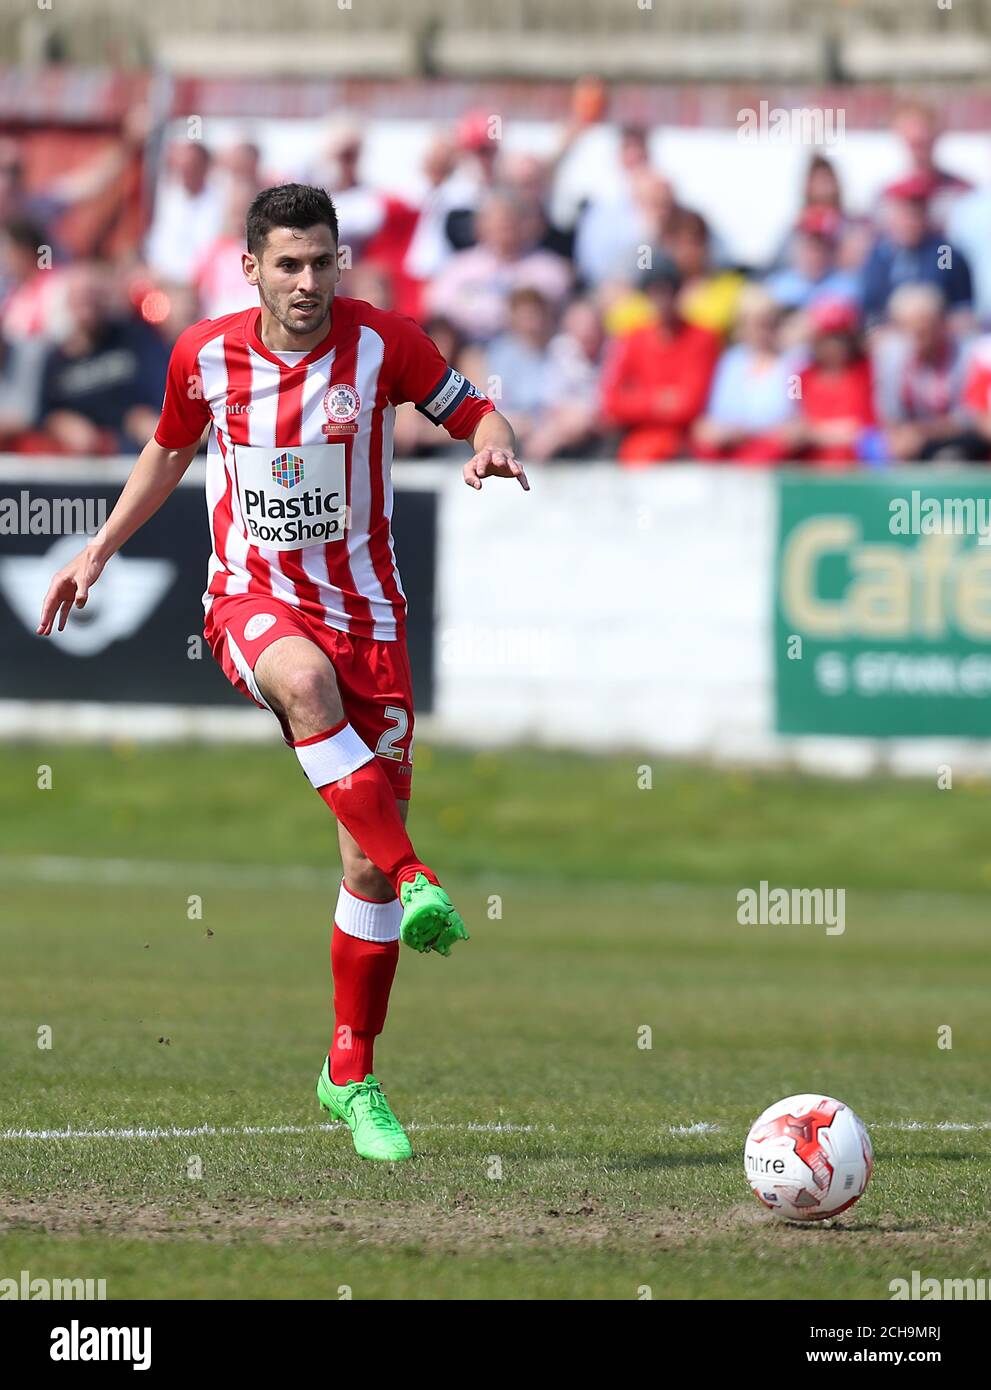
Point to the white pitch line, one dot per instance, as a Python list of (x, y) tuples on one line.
[(490, 1127), (165, 873), (55, 868), (196, 1132), (137, 873)]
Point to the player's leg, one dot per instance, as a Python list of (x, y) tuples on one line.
[(318, 682), (360, 874), (376, 690), (297, 681), (364, 953), (267, 651)]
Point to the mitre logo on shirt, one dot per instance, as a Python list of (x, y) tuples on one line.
[(314, 513), (341, 404)]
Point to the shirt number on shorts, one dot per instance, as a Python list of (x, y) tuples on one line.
[(389, 738)]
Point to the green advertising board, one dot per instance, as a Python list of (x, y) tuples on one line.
[(882, 622)]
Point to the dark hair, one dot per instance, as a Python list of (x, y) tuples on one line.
[(24, 233), (288, 205), (528, 294), (687, 220), (632, 131)]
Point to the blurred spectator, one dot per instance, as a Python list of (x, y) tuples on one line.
[(822, 186), (478, 151), (370, 283), (240, 163), (920, 371), (656, 379), (94, 176), (608, 225), (32, 303), (528, 175), (447, 190), (709, 296), (360, 208), (917, 127), (812, 273), (977, 395), (376, 227), (571, 425), (101, 388), (20, 387), (530, 179), (516, 368), (822, 200), (217, 275), (835, 408), (968, 226), (909, 251), (189, 211), (624, 305), (753, 393), (170, 309), (474, 287)]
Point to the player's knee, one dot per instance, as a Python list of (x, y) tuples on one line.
[(362, 877), (309, 695)]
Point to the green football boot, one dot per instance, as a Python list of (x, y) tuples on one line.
[(362, 1105), (430, 922)]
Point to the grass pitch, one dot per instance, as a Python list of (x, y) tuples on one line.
[(165, 913)]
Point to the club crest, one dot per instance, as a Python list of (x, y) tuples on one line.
[(341, 404)]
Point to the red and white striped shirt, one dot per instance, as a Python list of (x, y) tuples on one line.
[(299, 488)]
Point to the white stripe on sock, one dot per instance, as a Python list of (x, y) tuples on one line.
[(368, 921), (334, 757)]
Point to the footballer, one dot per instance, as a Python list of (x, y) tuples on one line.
[(304, 609)]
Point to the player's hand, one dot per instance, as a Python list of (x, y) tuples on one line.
[(70, 586), (494, 463)]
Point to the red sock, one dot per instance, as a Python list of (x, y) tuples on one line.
[(363, 975), (344, 771), (365, 804)]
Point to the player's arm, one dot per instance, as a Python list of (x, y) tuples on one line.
[(446, 397), (153, 478), (494, 445)]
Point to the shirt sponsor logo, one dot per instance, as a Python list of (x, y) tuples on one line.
[(315, 515), (287, 470), (341, 404)]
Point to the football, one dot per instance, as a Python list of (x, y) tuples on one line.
[(808, 1157)]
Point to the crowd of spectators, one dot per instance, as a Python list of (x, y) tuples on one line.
[(630, 334)]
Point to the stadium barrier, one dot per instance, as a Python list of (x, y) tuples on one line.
[(830, 621), (715, 40)]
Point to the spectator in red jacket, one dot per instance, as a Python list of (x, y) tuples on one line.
[(656, 379), (836, 408)]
